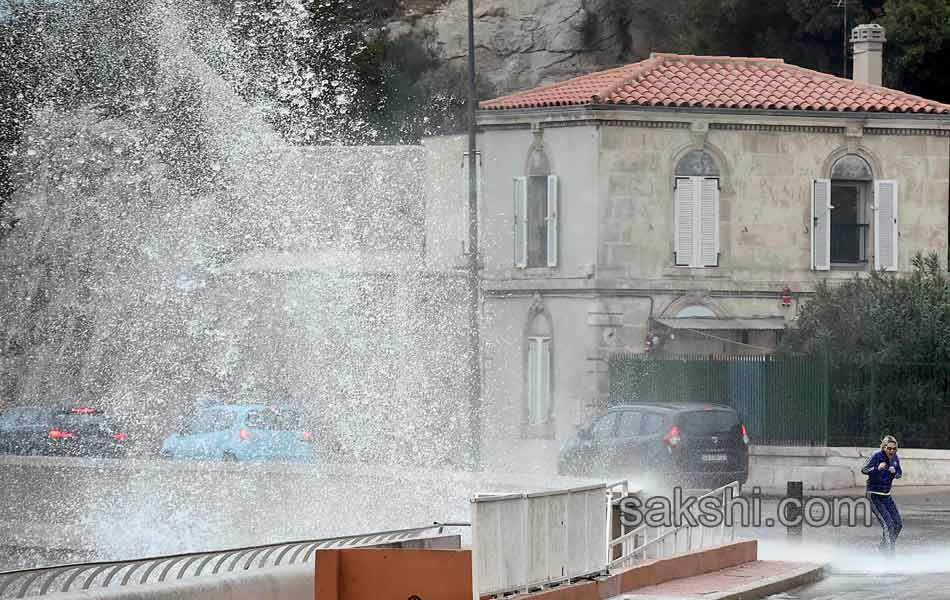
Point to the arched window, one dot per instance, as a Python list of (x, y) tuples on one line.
[(695, 310), (696, 210), (538, 381), (536, 212), (854, 217)]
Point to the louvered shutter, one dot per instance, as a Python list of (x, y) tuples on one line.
[(532, 380), (683, 204), (885, 225), (709, 212), (821, 225), (520, 233), (544, 380), (552, 219)]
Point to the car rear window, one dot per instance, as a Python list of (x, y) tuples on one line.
[(709, 422), (275, 420), (83, 423), (209, 421)]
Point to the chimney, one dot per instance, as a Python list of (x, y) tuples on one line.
[(868, 41)]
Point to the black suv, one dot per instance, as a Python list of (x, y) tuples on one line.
[(705, 445)]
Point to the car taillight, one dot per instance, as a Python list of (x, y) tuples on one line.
[(58, 434), (119, 436), (245, 435), (673, 437), (745, 435), (307, 436)]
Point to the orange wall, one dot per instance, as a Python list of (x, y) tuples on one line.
[(398, 574), (393, 574)]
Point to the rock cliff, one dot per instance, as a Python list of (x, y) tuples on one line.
[(526, 43)]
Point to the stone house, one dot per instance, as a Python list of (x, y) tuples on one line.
[(682, 202)]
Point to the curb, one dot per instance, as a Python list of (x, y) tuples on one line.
[(772, 585)]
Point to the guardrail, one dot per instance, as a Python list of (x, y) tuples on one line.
[(97, 575), (522, 542), (666, 541)]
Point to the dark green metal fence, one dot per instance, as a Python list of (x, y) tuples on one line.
[(782, 401), (800, 400), (871, 398)]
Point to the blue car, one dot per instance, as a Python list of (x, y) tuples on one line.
[(244, 433)]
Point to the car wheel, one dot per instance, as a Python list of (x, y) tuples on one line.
[(229, 457)]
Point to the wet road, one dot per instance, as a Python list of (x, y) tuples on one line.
[(920, 570), (864, 586)]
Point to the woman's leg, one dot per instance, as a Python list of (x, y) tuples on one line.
[(883, 517), (895, 517)]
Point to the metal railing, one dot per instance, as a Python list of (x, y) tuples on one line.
[(97, 575), (637, 544)]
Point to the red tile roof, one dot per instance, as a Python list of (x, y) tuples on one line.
[(718, 82)]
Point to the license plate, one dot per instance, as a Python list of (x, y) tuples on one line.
[(714, 458)]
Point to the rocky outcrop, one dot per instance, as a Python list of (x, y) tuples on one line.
[(527, 43)]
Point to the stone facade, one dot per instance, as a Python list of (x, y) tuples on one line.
[(615, 275)]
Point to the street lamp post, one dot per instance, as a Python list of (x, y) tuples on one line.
[(474, 291)]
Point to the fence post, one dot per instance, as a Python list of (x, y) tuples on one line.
[(794, 489)]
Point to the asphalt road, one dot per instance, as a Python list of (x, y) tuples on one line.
[(919, 570)]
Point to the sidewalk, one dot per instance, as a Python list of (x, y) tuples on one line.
[(757, 579)]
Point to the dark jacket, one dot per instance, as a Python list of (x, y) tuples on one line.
[(880, 481)]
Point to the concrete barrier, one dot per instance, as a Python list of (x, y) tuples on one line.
[(824, 468), (293, 582)]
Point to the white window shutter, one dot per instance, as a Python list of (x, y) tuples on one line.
[(683, 216), (521, 222), (821, 225), (885, 225), (552, 219), (544, 380), (709, 211)]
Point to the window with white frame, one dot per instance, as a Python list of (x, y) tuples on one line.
[(696, 211), (854, 216), (465, 217), (536, 221)]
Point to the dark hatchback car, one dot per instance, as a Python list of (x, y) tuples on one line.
[(705, 445), (24, 429), (84, 431)]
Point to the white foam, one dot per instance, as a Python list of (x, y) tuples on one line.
[(847, 558)]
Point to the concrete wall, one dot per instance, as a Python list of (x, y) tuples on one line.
[(821, 468)]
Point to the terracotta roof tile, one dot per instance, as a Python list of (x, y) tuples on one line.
[(718, 82)]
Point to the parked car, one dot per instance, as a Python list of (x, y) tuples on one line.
[(24, 429), (703, 445), (85, 431), (246, 433)]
